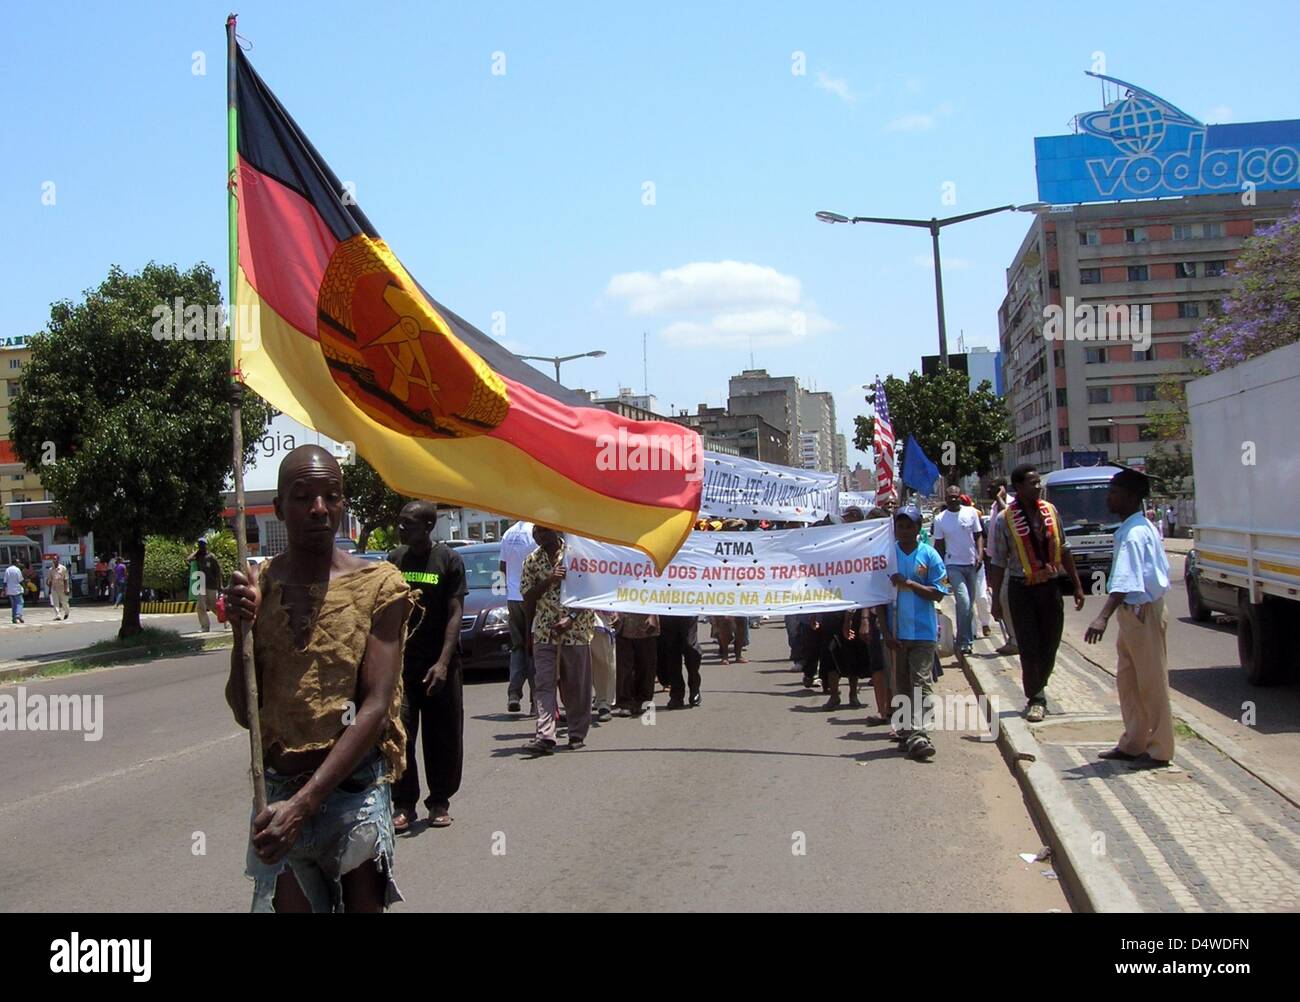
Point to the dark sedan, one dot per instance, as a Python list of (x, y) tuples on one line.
[(485, 624)]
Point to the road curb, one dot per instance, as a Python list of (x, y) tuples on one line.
[(1279, 784), (1092, 882), (15, 673)]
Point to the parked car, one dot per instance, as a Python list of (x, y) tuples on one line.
[(371, 555), (485, 622)]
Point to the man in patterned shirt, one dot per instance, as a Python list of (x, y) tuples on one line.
[(561, 641)]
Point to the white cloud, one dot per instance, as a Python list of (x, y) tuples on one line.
[(704, 285), (1219, 114), (771, 327), (836, 85)]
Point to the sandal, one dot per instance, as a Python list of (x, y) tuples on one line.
[(402, 821), (440, 820)]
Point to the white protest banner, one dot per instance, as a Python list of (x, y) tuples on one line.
[(784, 572), (865, 500), (737, 487)]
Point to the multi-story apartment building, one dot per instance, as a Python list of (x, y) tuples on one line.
[(817, 419), (1168, 261), (745, 435), (17, 483)]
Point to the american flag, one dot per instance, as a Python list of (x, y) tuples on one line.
[(882, 443)]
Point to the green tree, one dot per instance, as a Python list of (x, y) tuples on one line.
[(132, 433), (4, 520), (1170, 460), (166, 569), (371, 501), (939, 409)]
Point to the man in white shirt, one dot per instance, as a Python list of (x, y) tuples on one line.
[(516, 543), (1139, 579), (14, 589), (959, 538), (56, 583)]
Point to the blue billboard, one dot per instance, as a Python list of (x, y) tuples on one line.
[(1141, 146)]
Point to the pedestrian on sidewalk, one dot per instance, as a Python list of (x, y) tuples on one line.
[(922, 581), (516, 544), (119, 580), (207, 583), (636, 654), (56, 584), (959, 540), (14, 589), (433, 696), (561, 645), (328, 631), (999, 505), (1030, 550), (1139, 580)]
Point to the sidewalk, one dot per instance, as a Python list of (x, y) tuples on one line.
[(1204, 835)]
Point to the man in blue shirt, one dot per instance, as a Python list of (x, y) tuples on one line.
[(1139, 578), (922, 581)]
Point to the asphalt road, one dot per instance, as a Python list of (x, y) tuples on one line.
[(1205, 672), (705, 809), (42, 636)]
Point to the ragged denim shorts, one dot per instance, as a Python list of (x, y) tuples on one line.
[(352, 827)]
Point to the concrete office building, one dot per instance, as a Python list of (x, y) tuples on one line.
[(745, 435), (773, 398), (1168, 260), (817, 419)]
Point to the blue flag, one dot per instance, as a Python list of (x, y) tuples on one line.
[(918, 472)]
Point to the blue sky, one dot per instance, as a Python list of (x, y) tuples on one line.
[(524, 193)]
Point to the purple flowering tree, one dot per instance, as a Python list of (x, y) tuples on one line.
[(1263, 310)]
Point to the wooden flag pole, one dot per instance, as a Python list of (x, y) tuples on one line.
[(236, 421)]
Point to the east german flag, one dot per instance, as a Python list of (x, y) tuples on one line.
[(351, 345)]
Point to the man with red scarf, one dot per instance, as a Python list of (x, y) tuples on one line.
[(1029, 548)]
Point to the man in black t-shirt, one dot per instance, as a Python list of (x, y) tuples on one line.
[(432, 687)]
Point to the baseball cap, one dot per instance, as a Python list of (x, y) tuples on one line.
[(911, 511)]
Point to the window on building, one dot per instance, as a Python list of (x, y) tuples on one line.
[(1054, 279), (1135, 235), (1211, 230), (1185, 269), (1098, 394), (1146, 392), (1189, 310), (1061, 399), (1189, 351), (1184, 231), (1094, 356), (1089, 238), (1260, 225), (1144, 356), (1058, 358), (15, 363), (1213, 307), (1098, 435), (1063, 435), (1089, 276), (1213, 269), (12, 386), (1137, 273)]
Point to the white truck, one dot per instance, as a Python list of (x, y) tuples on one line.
[(1246, 461)]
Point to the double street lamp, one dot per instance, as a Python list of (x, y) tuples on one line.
[(555, 360), (934, 225)]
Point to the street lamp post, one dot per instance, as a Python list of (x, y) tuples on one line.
[(934, 225), (555, 360)]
